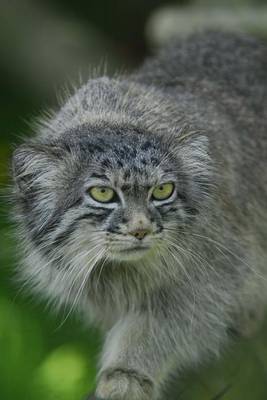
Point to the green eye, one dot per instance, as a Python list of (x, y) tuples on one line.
[(102, 194), (163, 192)]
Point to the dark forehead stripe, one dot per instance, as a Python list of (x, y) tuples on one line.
[(95, 175), (146, 145)]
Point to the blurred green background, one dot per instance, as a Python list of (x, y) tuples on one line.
[(44, 45)]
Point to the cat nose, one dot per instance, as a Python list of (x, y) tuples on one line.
[(139, 233)]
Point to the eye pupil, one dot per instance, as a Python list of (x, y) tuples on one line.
[(102, 194), (163, 191)]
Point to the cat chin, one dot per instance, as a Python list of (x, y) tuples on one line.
[(134, 254)]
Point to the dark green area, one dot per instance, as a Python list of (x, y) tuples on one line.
[(43, 44)]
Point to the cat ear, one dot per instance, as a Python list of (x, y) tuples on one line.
[(29, 163), (193, 151), (193, 148)]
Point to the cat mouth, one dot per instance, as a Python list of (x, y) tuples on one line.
[(134, 249), (130, 253)]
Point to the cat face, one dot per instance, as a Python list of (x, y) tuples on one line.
[(107, 194)]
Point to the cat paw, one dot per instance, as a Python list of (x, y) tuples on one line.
[(124, 385)]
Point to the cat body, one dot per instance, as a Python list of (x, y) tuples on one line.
[(167, 278)]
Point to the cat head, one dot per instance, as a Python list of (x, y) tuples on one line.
[(109, 193)]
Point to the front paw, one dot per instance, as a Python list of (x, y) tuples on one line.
[(124, 385)]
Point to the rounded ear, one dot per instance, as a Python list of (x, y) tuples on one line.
[(28, 163), (193, 150)]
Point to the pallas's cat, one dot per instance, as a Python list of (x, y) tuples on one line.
[(142, 205)]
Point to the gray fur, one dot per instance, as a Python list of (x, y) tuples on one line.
[(194, 115)]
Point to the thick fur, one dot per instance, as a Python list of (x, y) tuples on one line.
[(196, 115)]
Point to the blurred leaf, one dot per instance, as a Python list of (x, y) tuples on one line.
[(65, 374)]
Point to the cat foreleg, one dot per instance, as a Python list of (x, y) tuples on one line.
[(136, 358)]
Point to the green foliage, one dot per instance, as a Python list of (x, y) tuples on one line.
[(40, 356)]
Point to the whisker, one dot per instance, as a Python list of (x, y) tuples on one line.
[(230, 252), (95, 259)]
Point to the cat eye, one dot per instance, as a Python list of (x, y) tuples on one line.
[(163, 191), (102, 194)]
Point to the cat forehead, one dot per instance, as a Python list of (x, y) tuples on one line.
[(124, 142), (131, 179), (103, 137), (131, 159), (130, 168), (119, 155), (124, 151)]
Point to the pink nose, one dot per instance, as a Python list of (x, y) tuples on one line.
[(139, 233)]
